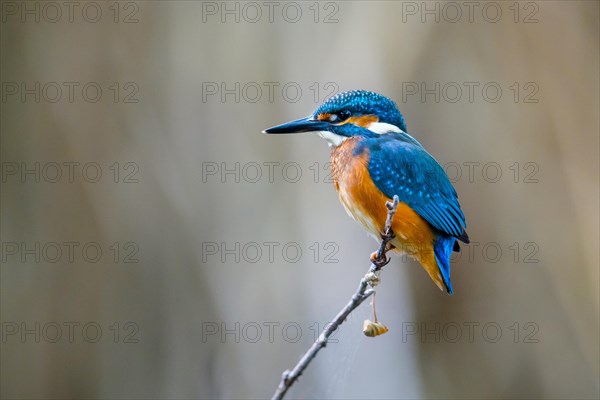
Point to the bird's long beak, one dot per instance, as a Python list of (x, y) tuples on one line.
[(307, 124)]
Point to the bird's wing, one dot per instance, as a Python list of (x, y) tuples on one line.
[(406, 169)]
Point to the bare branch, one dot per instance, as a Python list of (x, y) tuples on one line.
[(378, 261)]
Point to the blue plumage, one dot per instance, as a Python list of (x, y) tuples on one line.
[(364, 102), (406, 169), (442, 249)]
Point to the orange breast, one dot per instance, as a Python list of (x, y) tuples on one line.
[(366, 204)]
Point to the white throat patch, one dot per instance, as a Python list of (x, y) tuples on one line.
[(332, 139), (378, 127)]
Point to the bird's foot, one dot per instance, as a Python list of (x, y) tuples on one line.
[(378, 261), (387, 237), (382, 260)]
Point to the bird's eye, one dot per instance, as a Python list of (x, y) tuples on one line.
[(344, 115), (339, 116)]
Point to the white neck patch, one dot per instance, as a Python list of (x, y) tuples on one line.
[(382, 127), (332, 139), (378, 127)]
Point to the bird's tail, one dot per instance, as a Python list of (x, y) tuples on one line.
[(437, 262), (442, 249)]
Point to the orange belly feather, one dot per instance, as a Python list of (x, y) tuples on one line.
[(366, 204)]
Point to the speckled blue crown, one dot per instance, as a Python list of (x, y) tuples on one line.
[(363, 102)]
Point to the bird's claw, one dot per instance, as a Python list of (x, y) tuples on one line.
[(378, 261), (388, 236)]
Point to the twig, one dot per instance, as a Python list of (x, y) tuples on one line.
[(378, 261)]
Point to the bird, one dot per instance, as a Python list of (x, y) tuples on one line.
[(373, 159)]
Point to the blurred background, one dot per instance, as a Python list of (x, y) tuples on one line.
[(156, 245)]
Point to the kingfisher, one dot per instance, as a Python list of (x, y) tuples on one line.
[(373, 158)]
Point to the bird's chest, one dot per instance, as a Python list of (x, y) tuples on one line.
[(342, 160), (356, 190)]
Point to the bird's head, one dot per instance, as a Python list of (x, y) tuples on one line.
[(347, 114)]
